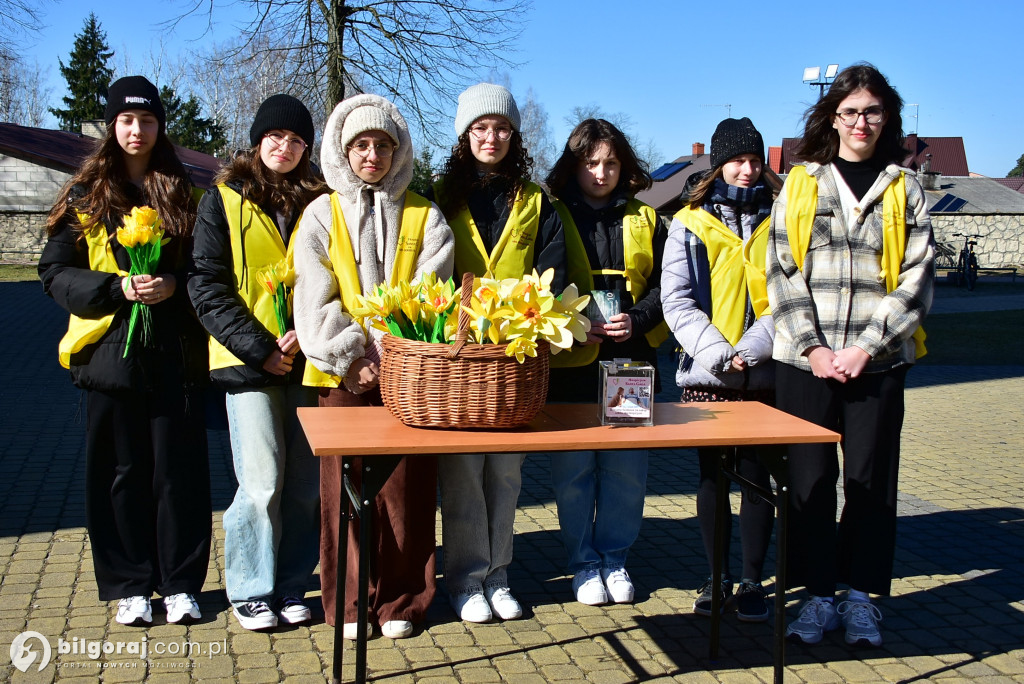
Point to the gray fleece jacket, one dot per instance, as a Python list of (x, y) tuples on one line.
[(329, 337)]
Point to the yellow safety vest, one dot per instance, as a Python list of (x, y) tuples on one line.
[(638, 226), (802, 204), (85, 331), (256, 245), (729, 255), (512, 256), (410, 242)]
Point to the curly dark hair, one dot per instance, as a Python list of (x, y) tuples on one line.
[(461, 178), (821, 141), (104, 176), (288, 192), (587, 135)]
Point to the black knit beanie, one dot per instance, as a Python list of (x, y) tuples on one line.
[(734, 137), (282, 112), (133, 92)]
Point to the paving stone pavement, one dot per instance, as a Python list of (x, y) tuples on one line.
[(956, 614)]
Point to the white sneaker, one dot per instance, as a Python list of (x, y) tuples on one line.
[(861, 620), (396, 629), (292, 611), (472, 607), (254, 615), (620, 587), (588, 587), (349, 630), (503, 603), (181, 608), (816, 617), (134, 610)]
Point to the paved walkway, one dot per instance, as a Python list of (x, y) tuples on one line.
[(956, 614)]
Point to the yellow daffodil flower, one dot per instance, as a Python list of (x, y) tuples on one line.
[(520, 348)]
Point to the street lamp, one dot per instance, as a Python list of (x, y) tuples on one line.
[(812, 77)]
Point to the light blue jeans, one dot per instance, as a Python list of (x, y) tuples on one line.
[(272, 527), (600, 499), (479, 493)]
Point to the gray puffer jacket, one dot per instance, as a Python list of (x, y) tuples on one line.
[(706, 361)]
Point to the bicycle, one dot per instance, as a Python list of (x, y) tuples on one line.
[(967, 262)]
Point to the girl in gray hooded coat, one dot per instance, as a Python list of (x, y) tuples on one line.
[(367, 160)]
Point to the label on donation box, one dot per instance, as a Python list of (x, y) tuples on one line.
[(627, 392)]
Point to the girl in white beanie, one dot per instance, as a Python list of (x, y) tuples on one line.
[(504, 225), (367, 160)]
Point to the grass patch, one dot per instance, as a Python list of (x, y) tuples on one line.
[(981, 338), (13, 273)]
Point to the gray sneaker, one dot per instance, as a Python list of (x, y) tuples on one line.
[(861, 620), (816, 617)]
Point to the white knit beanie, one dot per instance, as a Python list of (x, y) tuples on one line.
[(485, 99), (367, 118)]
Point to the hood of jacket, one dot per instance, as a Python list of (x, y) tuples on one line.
[(334, 160)]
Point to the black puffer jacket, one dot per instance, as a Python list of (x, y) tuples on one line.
[(178, 351), (222, 312)]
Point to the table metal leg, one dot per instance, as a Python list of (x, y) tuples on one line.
[(373, 476), (722, 510)]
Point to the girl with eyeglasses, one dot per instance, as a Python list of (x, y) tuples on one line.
[(370, 230), (244, 232), (600, 494), (504, 225), (147, 476), (849, 282), (713, 290)]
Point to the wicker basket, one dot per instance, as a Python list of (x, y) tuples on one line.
[(461, 385)]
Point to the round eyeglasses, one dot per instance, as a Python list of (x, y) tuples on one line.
[(481, 133), (384, 149), (280, 139), (872, 115)]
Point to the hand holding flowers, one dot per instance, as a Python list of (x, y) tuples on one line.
[(142, 238)]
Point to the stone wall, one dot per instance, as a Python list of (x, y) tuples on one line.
[(1002, 236), (27, 192)]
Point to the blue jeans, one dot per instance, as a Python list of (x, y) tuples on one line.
[(600, 498), (271, 529)]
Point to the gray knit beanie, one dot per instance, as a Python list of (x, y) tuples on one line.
[(367, 118), (485, 99), (734, 137)]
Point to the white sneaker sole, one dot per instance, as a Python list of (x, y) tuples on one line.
[(255, 624)]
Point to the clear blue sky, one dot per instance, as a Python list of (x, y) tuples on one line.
[(663, 62)]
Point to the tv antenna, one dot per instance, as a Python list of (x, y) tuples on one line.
[(728, 108), (917, 111)]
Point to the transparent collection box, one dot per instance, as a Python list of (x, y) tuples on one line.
[(627, 392)]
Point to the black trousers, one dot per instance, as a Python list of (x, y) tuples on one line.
[(868, 413), (147, 492)]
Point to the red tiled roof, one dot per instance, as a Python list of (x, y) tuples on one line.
[(65, 151), (1012, 183)]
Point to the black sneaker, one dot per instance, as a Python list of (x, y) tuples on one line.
[(751, 602), (254, 615), (702, 606)]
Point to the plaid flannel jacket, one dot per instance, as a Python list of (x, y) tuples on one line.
[(839, 298)]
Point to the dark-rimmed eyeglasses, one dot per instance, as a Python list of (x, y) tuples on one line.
[(872, 115)]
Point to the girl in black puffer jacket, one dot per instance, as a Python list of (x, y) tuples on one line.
[(147, 478)]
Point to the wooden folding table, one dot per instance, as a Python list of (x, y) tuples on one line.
[(382, 441)]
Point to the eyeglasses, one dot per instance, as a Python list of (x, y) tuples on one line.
[(481, 133), (872, 115), (279, 140), (384, 149)]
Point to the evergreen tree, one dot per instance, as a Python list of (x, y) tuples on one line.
[(1017, 170), (187, 128), (87, 75), (422, 172)]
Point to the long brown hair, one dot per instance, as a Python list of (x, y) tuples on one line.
[(287, 192), (821, 141), (166, 187), (587, 135), (461, 178)]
